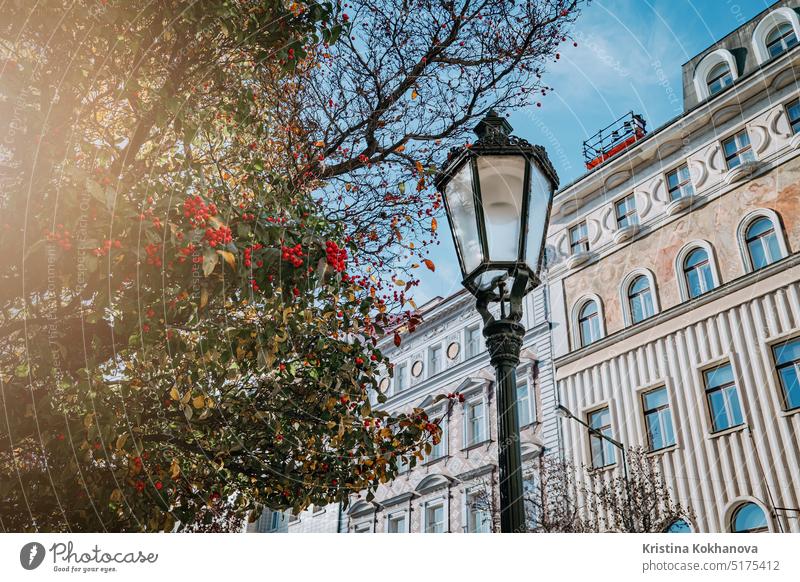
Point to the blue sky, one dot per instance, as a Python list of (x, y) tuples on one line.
[(629, 57)]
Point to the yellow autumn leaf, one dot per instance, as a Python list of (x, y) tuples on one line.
[(400, 149), (434, 225), (174, 394), (319, 144), (399, 282), (229, 258), (429, 263), (414, 94), (198, 401)]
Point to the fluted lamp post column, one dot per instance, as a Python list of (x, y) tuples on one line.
[(497, 194)]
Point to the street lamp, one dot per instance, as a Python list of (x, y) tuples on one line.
[(497, 194), (565, 412)]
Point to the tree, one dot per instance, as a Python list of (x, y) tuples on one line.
[(569, 499), (188, 310), (181, 339), (410, 81)]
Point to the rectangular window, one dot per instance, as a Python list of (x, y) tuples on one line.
[(787, 362), (478, 518), (626, 212), (396, 523), (475, 421), (793, 111), (579, 238), (658, 419), (679, 183), (603, 453), (276, 520), (400, 378), (737, 149), (434, 360), (434, 518), (722, 397), (473, 340), (524, 404), (438, 450)]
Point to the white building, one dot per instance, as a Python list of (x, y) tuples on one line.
[(674, 266)]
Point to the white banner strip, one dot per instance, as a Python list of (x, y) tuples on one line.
[(386, 558)]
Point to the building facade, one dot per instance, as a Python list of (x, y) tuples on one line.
[(673, 281)]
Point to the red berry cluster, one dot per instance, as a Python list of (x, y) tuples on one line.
[(152, 251), (60, 236), (218, 236), (292, 254), (336, 256), (107, 244), (185, 252), (456, 396), (197, 211), (248, 255)]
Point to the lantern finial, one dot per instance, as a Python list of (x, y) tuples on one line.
[(493, 126)]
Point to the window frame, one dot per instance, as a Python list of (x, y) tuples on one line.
[(783, 393), (684, 187), (794, 125), (680, 273), (439, 361), (589, 318), (744, 225), (442, 448), (658, 411), (468, 512), (394, 517), (722, 85), (582, 241), (737, 508), (468, 353), (433, 504), (780, 39), (724, 389), (631, 214), (740, 150), (645, 296), (522, 379), (604, 444), (400, 381), (469, 437)]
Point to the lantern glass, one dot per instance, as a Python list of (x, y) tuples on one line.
[(539, 205), (463, 221), (502, 180)]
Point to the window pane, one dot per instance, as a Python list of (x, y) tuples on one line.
[(788, 351), (655, 398), (791, 386), (693, 282), (523, 404), (749, 518), (758, 255), (719, 376), (680, 526)]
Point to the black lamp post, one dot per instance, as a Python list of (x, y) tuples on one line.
[(497, 194)]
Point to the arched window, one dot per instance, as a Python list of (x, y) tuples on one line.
[(697, 273), (713, 73), (749, 518), (762, 243), (589, 323), (679, 526), (776, 33), (640, 299), (781, 39), (719, 78)]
